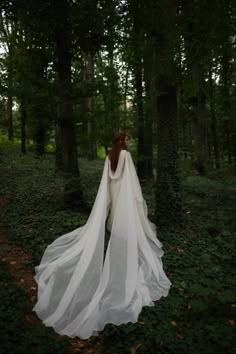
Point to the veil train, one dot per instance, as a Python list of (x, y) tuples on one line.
[(78, 291)]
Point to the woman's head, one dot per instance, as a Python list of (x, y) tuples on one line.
[(121, 142)]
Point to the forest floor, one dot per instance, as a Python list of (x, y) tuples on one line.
[(198, 316)]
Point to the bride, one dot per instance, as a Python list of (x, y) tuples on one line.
[(78, 291)]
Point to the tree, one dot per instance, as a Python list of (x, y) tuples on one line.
[(226, 67), (214, 131), (196, 44), (66, 138), (168, 191), (8, 30), (88, 24)]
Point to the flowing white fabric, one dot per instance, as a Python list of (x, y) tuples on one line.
[(78, 293)]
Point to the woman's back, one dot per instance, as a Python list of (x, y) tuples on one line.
[(115, 180)]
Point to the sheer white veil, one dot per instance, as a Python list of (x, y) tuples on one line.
[(78, 291)]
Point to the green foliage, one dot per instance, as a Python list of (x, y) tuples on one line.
[(18, 335), (226, 174), (197, 316), (36, 207), (101, 153)]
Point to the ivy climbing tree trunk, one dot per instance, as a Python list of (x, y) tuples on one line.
[(168, 197)]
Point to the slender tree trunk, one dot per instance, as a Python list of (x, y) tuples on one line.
[(227, 55), (89, 104), (10, 98), (10, 116), (40, 136), (113, 104), (140, 111), (226, 103), (110, 93), (124, 122), (149, 115), (58, 141), (213, 122), (228, 139), (138, 78), (40, 123), (200, 119), (10, 53), (185, 137), (23, 126)]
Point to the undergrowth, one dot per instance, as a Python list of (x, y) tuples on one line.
[(18, 334), (198, 314)]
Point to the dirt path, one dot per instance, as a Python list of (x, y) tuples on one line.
[(16, 260)]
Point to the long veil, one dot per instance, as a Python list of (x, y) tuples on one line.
[(78, 293)]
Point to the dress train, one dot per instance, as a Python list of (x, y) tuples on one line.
[(78, 292)]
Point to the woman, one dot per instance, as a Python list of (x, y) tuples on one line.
[(78, 291)]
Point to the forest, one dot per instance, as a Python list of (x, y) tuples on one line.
[(72, 74)]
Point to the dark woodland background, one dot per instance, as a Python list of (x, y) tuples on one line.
[(73, 73)]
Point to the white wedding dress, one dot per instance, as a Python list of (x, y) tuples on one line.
[(78, 291)]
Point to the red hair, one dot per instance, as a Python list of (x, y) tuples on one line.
[(118, 145)]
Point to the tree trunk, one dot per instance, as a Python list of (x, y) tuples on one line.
[(9, 116), (168, 184), (10, 98), (149, 115), (150, 62), (66, 151), (213, 122), (226, 103), (227, 67), (195, 56), (124, 121), (39, 134), (138, 79), (185, 133), (168, 196), (200, 119), (23, 126), (89, 104), (140, 111), (10, 54), (113, 101), (58, 142)]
